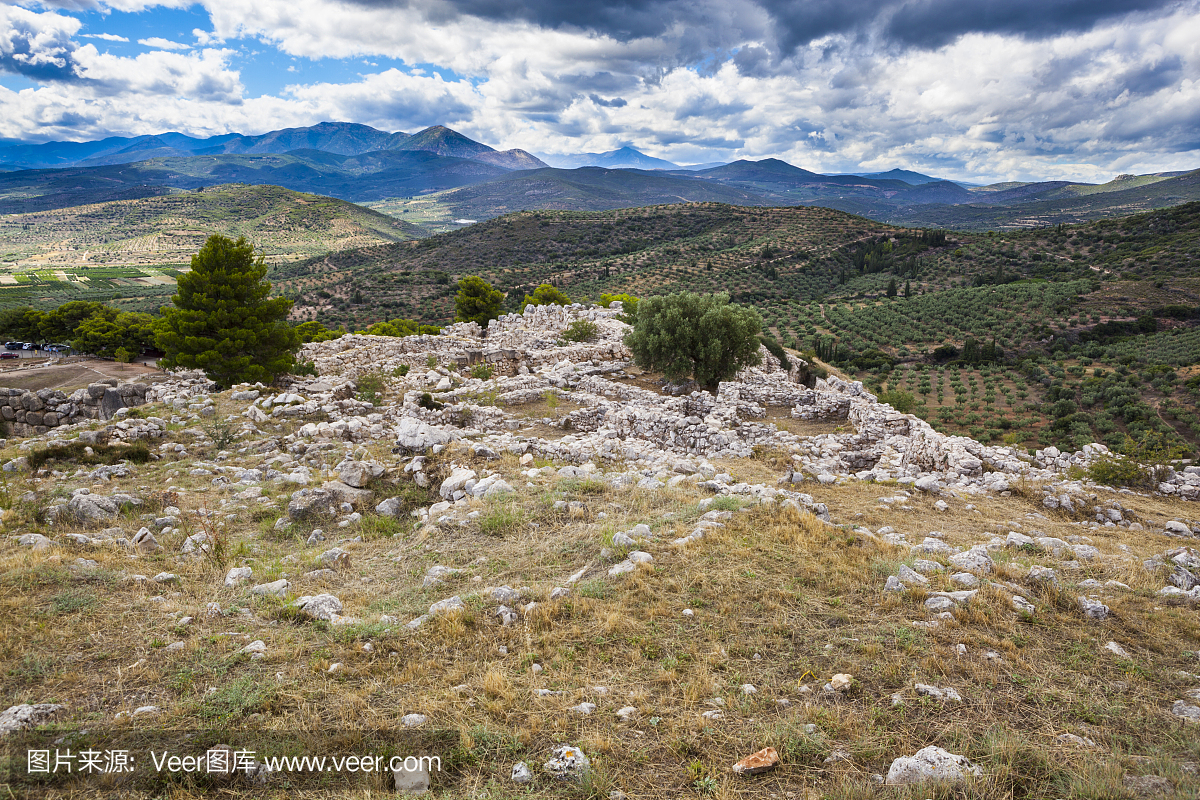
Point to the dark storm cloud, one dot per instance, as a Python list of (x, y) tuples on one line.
[(793, 23), (932, 23)]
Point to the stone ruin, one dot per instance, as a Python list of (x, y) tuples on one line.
[(31, 412), (610, 412)]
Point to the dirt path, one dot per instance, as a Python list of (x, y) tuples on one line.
[(71, 376)]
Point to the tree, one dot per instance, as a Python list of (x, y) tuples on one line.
[(891, 288), (547, 295), (222, 320), (122, 337), (691, 334), (477, 301), (23, 322), (60, 324)]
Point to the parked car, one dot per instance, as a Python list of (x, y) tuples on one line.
[(9, 355), (30, 346), (13, 345)]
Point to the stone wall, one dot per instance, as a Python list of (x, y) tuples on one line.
[(26, 412)]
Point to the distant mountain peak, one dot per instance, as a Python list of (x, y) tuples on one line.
[(622, 158)]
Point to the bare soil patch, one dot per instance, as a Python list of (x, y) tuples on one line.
[(72, 376)]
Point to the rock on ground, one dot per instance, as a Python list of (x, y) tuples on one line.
[(932, 764)]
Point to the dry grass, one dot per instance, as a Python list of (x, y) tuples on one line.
[(781, 601)]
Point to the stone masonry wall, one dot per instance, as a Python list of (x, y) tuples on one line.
[(26, 412)]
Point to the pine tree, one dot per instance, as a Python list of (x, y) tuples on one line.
[(477, 301), (891, 288), (222, 320)]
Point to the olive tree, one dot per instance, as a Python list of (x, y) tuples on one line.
[(704, 336)]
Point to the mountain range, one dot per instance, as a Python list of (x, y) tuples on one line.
[(340, 138), (469, 179)]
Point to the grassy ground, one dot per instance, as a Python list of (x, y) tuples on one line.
[(780, 600)]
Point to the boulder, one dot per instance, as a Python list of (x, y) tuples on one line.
[(359, 473), (322, 606), (568, 763), (931, 764), (457, 481), (342, 493), (415, 436)]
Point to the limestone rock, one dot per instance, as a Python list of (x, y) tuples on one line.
[(21, 717), (322, 606), (1093, 609), (932, 764), (360, 473), (277, 588), (567, 763), (238, 575)]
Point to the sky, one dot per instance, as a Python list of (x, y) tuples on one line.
[(971, 90)]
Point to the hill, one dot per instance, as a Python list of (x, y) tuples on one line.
[(621, 158), (170, 228), (616, 580), (127, 251), (585, 189), (1066, 204), (822, 276), (906, 175)]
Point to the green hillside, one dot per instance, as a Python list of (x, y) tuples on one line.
[(821, 280), (129, 248), (1067, 204)]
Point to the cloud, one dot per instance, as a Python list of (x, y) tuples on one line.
[(37, 46), (616, 102), (967, 89), (163, 44), (108, 37)]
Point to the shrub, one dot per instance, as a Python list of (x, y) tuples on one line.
[(400, 328), (426, 401), (581, 330), (704, 336), (371, 387), (547, 295), (304, 368), (902, 401), (629, 305), (481, 371)]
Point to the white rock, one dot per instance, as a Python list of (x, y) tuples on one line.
[(1117, 650), (238, 575), (931, 764)]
